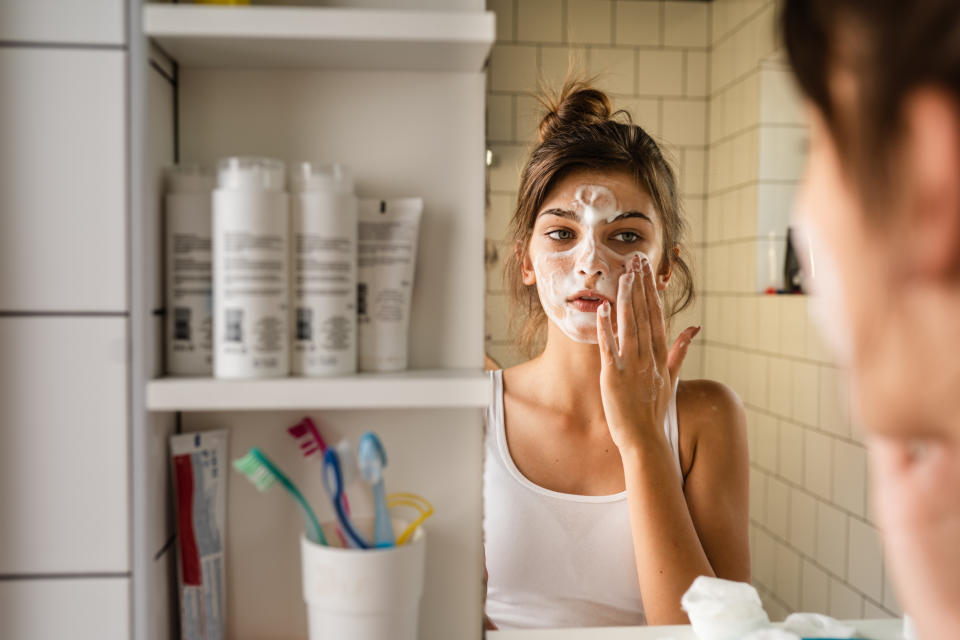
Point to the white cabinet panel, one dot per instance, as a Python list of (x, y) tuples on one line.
[(63, 445), (75, 608), (63, 179), (160, 153), (63, 21)]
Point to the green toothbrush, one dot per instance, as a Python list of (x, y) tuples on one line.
[(263, 473)]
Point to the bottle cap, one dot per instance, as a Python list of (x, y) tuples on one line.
[(188, 178), (246, 173), (307, 176)]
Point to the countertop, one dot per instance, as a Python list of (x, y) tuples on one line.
[(890, 629)]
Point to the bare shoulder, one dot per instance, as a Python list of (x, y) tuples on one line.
[(520, 380), (709, 409)]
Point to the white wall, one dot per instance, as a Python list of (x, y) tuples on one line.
[(64, 308)]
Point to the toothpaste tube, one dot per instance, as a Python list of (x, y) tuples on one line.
[(199, 461)]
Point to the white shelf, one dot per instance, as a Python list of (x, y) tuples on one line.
[(323, 38), (409, 389)]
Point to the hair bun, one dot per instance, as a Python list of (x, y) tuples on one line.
[(577, 104)]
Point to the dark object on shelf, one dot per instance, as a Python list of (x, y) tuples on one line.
[(792, 272)]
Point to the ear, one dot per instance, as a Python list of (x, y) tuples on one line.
[(932, 168), (526, 265), (666, 271)]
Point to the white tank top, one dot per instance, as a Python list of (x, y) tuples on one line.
[(556, 559)]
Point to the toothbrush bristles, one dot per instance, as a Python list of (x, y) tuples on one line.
[(256, 473)]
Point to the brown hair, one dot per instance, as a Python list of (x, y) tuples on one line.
[(579, 131), (884, 49)]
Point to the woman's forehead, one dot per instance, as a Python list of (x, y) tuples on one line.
[(626, 193)]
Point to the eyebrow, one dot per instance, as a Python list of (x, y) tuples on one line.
[(563, 213)]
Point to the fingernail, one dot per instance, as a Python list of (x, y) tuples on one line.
[(604, 309)]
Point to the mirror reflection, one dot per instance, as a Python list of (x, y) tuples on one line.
[(647, 250)]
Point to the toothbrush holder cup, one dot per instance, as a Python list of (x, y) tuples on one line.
[(363, 594)]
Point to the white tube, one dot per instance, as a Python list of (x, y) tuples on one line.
[(324, 255), (251, 228), (199, 465), (189, 328), (387, 259)]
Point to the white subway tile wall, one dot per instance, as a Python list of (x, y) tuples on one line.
[(652, 57), (814, 545), (708, 81)]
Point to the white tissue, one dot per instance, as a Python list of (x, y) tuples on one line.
[(772, 634), (816, 625), (723, 609)]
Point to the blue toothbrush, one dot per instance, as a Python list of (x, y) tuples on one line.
[(333, 481), (371, 459)]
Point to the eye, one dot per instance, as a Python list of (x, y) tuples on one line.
[(561, 234), (627, 236)]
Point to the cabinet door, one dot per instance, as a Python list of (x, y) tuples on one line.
[(63, 177), (64, 480), (62, 21), (75, 608)]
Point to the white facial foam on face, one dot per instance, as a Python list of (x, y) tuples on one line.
[(590, 264)]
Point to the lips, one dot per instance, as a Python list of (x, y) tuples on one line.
[(587, 300)]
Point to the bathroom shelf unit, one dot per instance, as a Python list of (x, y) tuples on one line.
[(437, 389), (397, 94), (321, 38)]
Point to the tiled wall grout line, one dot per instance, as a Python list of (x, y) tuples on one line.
[(743, 23), (861, 519), (813, 561)]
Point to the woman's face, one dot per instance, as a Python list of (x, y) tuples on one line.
[(590, 226)]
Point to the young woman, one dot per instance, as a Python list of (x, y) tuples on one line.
[(608, 485), (881, 206)]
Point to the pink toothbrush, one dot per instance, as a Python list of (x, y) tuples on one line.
[(311, 442)]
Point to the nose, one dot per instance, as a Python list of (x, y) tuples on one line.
[(589, 262)]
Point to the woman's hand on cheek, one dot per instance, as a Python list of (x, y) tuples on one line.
[(636, 381)]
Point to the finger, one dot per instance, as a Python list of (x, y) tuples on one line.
[(605, 338), (641, 311), (679, 351), (626, 318), (658, 331)]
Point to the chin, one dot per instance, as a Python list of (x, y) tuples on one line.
[(584, 332)]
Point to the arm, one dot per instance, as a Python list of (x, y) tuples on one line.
[(636, 387), (717, 486)]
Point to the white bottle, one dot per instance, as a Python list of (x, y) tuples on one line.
[(324, 253), (189, 329), (251, 229)]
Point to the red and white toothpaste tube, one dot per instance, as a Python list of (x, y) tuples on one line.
[(199, 466)]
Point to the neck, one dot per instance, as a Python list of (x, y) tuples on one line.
[(570, 375)]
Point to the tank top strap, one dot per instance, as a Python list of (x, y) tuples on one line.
[(671, 428)]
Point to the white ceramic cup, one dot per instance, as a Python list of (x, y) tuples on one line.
[(363, 594)]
